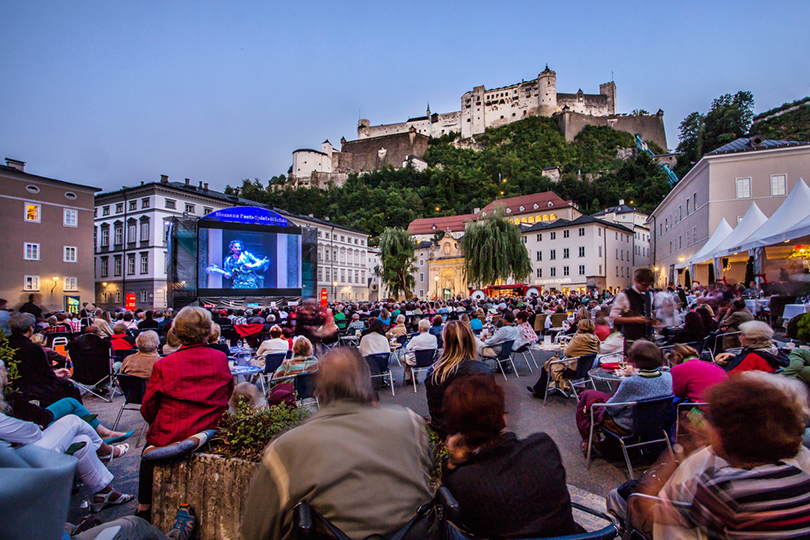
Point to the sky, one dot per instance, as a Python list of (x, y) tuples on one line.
[(112, 94)]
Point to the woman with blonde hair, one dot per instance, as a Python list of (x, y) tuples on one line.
[(303, 360), (458, 359)]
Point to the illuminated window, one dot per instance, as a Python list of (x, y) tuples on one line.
[(33, 212)]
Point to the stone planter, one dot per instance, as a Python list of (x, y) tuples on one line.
[(216, 486)]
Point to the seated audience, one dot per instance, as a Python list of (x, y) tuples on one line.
[(103, 323), (248, 394), (477, 320), (458, 359), (356, 325), (59, 436), (602, 328), (364, 467), (422, 342), (758, 351), (55, 359), (121, 340), (275, 345), (187, 393), (505, 487), (799, 366), (373, 340), (692, 331), (303, 360), (172, 342), (752, 482), (140, 364), (214, 341), (398, 329), (526, 334), (148, 323), (737, 314), (37, 379), (691, 376), (583, 343), (647, 382)]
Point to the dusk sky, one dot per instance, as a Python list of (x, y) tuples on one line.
[(112, 93)]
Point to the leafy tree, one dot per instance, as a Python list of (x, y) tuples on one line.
[(397, 255), (690, 147), (729, 118), (639, 112), (494, 250)]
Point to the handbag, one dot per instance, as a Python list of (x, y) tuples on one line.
[(429, 523)]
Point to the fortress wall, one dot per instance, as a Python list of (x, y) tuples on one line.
[(373, 153), (650, 127), (592, 104)]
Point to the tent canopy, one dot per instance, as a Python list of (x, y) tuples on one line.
[(707, 251), (793, 210), (751, 221)]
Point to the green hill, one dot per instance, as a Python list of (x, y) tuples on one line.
[(506, 162), (790, 122)]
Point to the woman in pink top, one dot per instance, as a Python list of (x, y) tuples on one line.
[(691, 376)]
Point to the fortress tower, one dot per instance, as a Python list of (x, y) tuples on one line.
[(547, 90), (609, 90)]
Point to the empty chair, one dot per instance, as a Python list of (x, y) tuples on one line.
[(92, 364), (504, 355), (378, 365), (525, 352), (649, 416), (424, 361), (579, 377), (133, 388)]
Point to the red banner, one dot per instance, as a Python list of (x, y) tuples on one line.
[(130, 301), (324, 297)]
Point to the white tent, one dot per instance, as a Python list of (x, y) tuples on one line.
[(707, 251), (793, 210), (799, 230), (751, 221)]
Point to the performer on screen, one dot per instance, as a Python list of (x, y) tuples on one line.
[(241, 266)]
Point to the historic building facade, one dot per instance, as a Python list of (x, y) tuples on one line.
[(47, 237)]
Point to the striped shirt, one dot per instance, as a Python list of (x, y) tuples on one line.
[(770, 501)]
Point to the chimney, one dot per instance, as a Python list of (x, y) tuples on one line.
[(200, 185), (15, 164), (205, 186), (188, 181), (164, 179)]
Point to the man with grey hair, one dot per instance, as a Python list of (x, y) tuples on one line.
[(363, 466), (424, 341), (37, 378)]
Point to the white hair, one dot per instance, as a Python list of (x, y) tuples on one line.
[(424, 325)]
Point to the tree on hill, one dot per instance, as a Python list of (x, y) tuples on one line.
[(728, 119), (494, 250), (397, 257)]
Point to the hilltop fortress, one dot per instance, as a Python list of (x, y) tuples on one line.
[(404, 142)]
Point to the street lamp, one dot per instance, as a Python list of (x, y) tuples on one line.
[(55, 281), (436, 279), (334, 294)]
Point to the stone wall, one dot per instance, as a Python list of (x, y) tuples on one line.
[(214, 485), (650, 127), (373, 153)]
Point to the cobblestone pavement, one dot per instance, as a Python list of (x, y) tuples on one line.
[(526, 415)]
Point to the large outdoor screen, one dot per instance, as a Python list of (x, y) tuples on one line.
[(248, 252)]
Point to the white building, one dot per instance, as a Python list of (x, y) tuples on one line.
[(131, 243), (576, 254), (722, 185), (636, 221)]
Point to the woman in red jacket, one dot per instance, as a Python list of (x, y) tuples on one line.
[(188, 393)]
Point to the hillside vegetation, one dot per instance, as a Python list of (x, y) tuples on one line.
[(507, 162), (793, 125)]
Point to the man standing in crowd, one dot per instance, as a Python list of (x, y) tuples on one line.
[(31, 307), (363, 466), (632, 309)]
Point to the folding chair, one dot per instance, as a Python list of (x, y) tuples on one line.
[(540, 323), (59, 344), (424, 361), (680, 407), (581, 377), (505, 354), (525, 351), (304, 384), (271, 364), (133, 388), (92, 365), (719, 342), (557, 320), (649, 416), (378, 365)]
